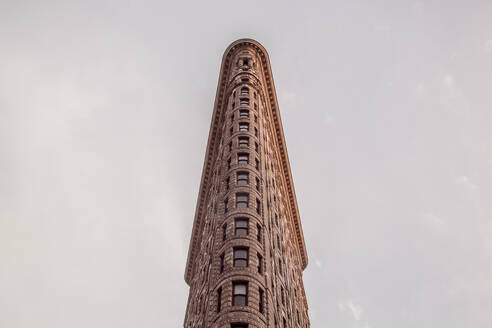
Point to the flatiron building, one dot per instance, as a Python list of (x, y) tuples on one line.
[(247, 251)]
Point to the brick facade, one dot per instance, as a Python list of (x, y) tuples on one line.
[(247, 236)]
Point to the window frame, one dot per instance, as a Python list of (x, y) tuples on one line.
[(239, 228), (243, 141), (242, 178), (243, 158), (240, 261), (237, 295), (240, 201)]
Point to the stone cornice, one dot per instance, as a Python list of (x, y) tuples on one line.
[(214, 140)]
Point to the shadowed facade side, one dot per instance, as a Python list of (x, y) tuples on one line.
[(247, 250)]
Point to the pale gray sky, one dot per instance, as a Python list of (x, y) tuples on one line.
[(105, 108)]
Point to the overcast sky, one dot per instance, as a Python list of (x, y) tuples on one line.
[(105, 108)]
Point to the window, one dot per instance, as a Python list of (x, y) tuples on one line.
[(260, 263), (244, 79), (257, 164), (230, 146), (256, 106), (283, 298), (240, 293), (285, 323), (254, 95), (233, 105), (225, 204), (240, 257), (244, 113), (224, 232), (242, 158), (228, 181), (257, 147), (258, 232), (239, 325), (241, 227), (222, 263), (229, 163), (243, 141), (257, 184), (244, 127), (260, 305), (242, 200), (219, 299), (231, 131), (242, 178), (256, 119), (245, 91), (258, 205), (256, 132), (244, 101), (232, 118), (234, 93)]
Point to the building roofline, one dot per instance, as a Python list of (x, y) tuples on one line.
[(213, 143)]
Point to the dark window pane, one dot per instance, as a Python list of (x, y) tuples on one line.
[(239, 300)]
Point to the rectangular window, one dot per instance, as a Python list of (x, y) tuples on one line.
[(228, 180), (240, 293), (232, 118), (244, 90), (256, 118), (258, 206), (243, 141), (242, 158), (241, 227), (241, 257), (219, 299), (254, 95), (244, 101), (242, 200), (260, 305), (257, 184), (231, 131), (244, 113), (258, 232), (260, 263), (239, 325), (244, 127), (230, 146), (256, 132), (257, 164), (226, 201), (242, 178), (256, 106), (224, 232), (257, 147), (229, 163)]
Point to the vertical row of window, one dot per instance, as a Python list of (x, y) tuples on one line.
[(241, 254)]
